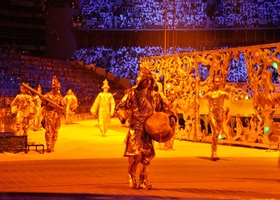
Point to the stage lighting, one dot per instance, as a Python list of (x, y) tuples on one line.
[(266, 129), (275, 65)]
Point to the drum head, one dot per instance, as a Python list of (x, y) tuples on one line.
[(158, 127)]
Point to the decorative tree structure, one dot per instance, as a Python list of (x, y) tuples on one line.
[(253, 91)]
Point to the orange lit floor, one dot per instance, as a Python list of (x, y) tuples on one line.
[(82, 140), (88, 166)]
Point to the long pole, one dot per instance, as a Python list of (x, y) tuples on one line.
[(54, 104), (173, 26), (165, 18), (164, 44), (197, 115)]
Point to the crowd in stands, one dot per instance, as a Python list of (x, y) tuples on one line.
[(180, 14), (124, 62), (16, 68)]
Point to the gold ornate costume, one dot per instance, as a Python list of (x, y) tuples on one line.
[(39, 111), (52, 119), (104, 107), (71, 103), (24, 109), (216, 98), (141, 101)]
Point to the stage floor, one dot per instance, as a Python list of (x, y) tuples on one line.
[(82, 140)]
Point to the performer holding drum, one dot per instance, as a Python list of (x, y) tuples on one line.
[(148, 121)]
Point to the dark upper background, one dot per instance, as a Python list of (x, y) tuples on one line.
[(55, 28)]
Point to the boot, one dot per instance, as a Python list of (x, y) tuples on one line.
[(49, 150), (214, 156), (143, 183), (132, 181), (52, 148)]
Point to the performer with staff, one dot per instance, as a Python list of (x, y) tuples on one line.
[(53, 106), (52, 119)]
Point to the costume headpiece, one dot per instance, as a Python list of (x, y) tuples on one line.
[(105, 84), (39, 87), (144, 74), (55, 83), (69, 92)]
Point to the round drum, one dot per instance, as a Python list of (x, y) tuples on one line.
[(158, 127)]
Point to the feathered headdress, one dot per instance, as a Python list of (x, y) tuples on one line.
[(145, 74)]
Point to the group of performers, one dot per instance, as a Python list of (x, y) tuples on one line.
[(34, 111), (139, 104)]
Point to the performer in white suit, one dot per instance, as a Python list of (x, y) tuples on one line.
[(104, 108)]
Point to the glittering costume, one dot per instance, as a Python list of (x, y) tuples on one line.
[(39, 111), (71, 103), (52, 119), (104, 107), (23, 108), (141, 101), (216, 98)]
